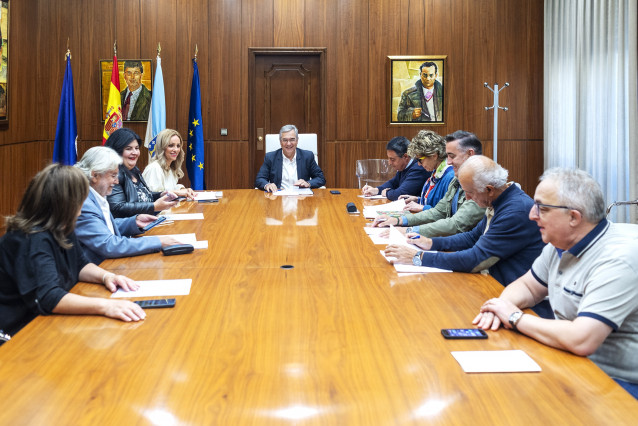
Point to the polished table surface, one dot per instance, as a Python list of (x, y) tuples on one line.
[(339, 338)]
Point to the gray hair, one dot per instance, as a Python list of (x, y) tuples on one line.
[(287, 128), (578, 190), (99, 160), (485, 172)]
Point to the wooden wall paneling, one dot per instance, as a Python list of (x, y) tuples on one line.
[(288, 21), (192, 21), (51, 45), (225, 74), (257, 31), (512, 58), (92, 41), (521, 160), (319, 29), (221, 157), (129, 25), (477, 64), (441, 38), (159, 25), (535, 46), (384, 39), (23, 96), (47, 80), (353, 70)]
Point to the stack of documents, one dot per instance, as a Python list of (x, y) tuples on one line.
[(395, 207)]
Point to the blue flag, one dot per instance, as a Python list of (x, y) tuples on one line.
[(66, 132), (157, 114), (195, 148)]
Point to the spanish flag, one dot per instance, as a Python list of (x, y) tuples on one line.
[(114, 107)]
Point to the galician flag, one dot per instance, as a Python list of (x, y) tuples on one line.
[(66, 132), (157, 115), (114, 106)]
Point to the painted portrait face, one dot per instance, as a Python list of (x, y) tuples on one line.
[(133, 78), (428, 76)]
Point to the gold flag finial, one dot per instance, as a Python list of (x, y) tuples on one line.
[(68, 51), (195, 52), (159, 48), (115, 48)]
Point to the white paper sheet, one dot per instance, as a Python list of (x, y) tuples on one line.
[(208, 195), (294, 191), (157, 288), (411, 269), (185, 239), (372, 197), (514, 361), (185, 216)]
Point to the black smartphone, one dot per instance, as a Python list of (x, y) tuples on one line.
[(464, 333), (154, 223), (177, 249), (156, 303), (334, 191)]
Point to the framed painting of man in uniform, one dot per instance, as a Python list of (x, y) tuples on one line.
[(136, 87), (4, 62), (417, 91)]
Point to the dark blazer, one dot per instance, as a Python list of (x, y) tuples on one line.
[(98, 242), (124, 201), (307, 169), (408, 181), (142, 104)]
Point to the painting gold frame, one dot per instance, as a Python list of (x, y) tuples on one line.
[(105, 80), (407, 104)]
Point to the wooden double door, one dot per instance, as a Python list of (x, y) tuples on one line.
[(285, 87)]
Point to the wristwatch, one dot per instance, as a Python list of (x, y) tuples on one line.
[(416, 260), (515, 318)]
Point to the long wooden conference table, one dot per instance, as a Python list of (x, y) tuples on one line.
[(338, 338)]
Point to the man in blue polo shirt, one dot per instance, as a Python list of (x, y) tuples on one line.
[(589, 271)]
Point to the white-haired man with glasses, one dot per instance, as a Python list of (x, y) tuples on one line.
[(589, 271)]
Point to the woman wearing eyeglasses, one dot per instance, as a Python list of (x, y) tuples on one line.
[(429, 149)]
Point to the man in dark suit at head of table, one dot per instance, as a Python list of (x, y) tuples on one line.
[(289, 166)]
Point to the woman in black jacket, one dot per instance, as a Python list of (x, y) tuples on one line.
[(131, 195)]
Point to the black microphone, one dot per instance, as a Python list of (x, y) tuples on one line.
[(352, 208)]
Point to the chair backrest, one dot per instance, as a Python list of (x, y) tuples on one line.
[(307, 141), (374, 172)]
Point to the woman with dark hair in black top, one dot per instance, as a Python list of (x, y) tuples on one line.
[(41, 259), (132, 195)]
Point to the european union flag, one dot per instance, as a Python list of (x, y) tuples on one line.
[(195, 149), (66, 132)]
